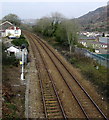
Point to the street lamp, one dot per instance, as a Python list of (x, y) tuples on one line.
[(22, 49)]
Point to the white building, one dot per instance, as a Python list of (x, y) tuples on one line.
[(7, 29), (104, 40), (13, 50), (17, 52), (13, 32)]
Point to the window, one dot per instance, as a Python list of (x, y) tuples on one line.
[(16, 31)]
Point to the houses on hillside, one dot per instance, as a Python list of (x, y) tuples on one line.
[(100, 44), (90, 34), (7, 29), (94, 34)]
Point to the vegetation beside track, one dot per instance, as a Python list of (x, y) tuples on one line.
[(20, 41), (12, 89)]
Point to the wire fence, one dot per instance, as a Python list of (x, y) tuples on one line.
[(100, 59)]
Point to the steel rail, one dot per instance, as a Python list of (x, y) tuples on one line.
[(41, 86), (69, 87), (54, 87), (74, 79)]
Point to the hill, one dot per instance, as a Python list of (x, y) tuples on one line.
[(95, 20)]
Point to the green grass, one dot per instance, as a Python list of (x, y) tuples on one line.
[(12, 114), (11, 106), (88, 67)]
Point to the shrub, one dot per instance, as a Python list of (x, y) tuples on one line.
[(8, 60), (20, 41)]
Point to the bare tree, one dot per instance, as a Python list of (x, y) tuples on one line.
[(57, 17), (43, 24), (71, 32)]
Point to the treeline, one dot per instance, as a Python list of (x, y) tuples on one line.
[(16, 20), (62, 30)]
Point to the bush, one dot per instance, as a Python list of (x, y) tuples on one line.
[(20, 41), (8, 60), (98, 77)]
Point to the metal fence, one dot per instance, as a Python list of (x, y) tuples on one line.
[(100, 59)]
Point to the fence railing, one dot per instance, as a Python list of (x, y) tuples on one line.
[(100, 59)]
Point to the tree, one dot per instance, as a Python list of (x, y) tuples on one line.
[(72, 29), (14, 19), (60, 34), (56, 18), (44, 26), (48, 25)]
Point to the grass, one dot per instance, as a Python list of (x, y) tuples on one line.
[(11, 106), (93, 72), (11, 111)]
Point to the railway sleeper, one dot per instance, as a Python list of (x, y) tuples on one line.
[(49, 96), (48, 90), (50, 99), (51, 105), (52, 108), (51, 102), (53, 111), (55, 116)]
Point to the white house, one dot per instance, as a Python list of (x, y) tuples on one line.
[(3, 27), (8, 29), (13, 32), (13, 50)]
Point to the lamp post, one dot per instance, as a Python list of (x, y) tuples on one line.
[(22, 74)]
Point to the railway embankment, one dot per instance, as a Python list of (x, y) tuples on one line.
[(33, 104)]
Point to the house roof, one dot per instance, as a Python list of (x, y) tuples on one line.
[(13, 28), (6, 22), (94, 42), (87, 38), (5, 25), (13, 49)]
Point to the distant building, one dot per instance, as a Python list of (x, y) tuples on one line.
[(94, 44), (99, 45), (87, 38), (7, 29), (104, 40)]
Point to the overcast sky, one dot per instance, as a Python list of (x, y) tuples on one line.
[(36, 9)]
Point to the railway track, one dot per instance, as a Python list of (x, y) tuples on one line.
[(85, 102), (52, 104)]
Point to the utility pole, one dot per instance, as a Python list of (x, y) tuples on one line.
[(22, 74)]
